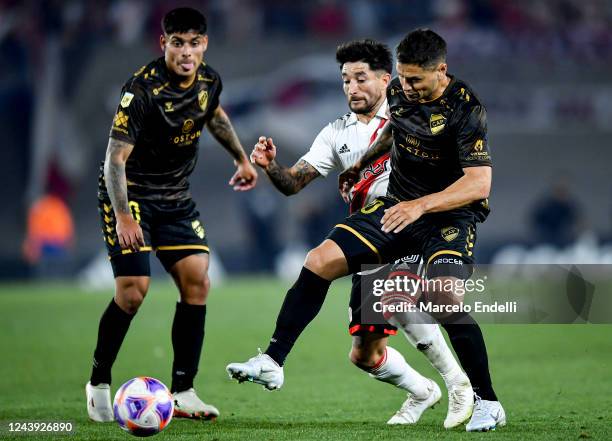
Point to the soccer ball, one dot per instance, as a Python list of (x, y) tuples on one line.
[(143, 406)]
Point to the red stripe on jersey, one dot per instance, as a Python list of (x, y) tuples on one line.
[(361, 188)]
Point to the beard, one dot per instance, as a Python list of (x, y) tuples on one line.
[(363, 109)]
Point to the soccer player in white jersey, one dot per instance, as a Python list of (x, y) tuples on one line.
[(366, 72)]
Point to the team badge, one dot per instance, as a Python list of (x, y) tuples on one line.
[(187, 126), (126, 99), (203, 99), (436, 123), (198, 228), (450, 233)]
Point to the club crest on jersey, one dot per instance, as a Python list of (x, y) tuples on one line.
[(203, 99), (198, 228), (450, 233), (127, 99), (436, 123), (187, 126)]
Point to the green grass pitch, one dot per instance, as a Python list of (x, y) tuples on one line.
[(554, 381)]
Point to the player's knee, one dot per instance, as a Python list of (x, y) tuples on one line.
[(315, 261), (130, 293), (327, 261), (195, 290), (365, 357)]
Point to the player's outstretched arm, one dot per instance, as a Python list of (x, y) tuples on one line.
[(287, 180), (350, 176), (129, 232), (221, 128)]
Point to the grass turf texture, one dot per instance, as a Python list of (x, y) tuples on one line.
[(554, 381)]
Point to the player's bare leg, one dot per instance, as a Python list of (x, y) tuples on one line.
[(371, 354), (114, 324), (191, 277), (302, 303)]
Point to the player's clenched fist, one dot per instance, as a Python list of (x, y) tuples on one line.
[(346, 181), (264, 152)]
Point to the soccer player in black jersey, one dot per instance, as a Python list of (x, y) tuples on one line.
[(366, 67), (145, 203), (438, 189)]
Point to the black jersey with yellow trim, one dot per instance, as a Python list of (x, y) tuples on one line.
[(164, 123), (434, 141)]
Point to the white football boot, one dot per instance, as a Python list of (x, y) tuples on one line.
[(460, 402), (261, 369), (188, 405), (488, 415), (413, 407), (99, 407)]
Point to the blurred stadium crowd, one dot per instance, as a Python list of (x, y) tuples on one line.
[(539, 65)]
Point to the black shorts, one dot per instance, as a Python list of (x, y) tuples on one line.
[(362, 298), (357, 303), (171, 228), (445, 240)]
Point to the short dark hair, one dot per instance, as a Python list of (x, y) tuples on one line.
[(422, 47), (183, 20), (377, 55)]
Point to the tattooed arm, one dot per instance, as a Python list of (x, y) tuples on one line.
[(129, 232), (221, 128), (287, 180), (291, 180), (350, 176)]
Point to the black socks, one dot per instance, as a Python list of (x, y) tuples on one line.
[(466, 337), (302, 304), (187, 341), (114, 324)]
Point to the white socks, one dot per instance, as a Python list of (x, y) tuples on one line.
[(428, 339), (393, 369)]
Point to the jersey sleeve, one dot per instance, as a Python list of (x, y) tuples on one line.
[(214, 103), (130, 116), (472, 141), (322, 153)]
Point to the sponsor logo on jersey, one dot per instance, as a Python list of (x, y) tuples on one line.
[(413, 141), (203, 99), (344, 149), (450, 233), (447, 260), (186, 139), (126, 99), (436, 123), (420, 153), (160, 88), (168, 106), (478, 152), (410, 259), (120, 122), (198, 228), (187, 126)]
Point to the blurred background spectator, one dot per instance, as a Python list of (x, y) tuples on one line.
[(542, 68)]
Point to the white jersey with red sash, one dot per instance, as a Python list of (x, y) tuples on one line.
[(341, 143)]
